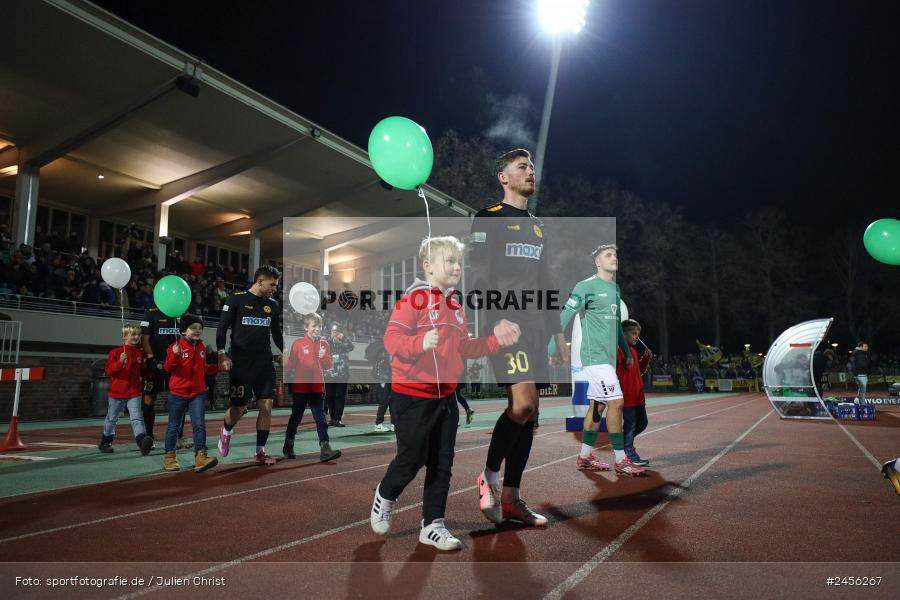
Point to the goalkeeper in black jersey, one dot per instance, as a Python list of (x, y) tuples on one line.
[(510, 265), (253, 317)]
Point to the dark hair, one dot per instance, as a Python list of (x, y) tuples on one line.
[(630, 324), (266, 272), (507, 157), (187, 320)]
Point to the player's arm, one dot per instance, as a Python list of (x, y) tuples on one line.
[(275, 326), (483, 240), (226, 321), (573, 306), (552, 321), (145, 336)]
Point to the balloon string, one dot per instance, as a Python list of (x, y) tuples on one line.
[(437, 373), (122, 307)]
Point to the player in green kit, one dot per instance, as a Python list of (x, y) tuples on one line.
[(597, 300)]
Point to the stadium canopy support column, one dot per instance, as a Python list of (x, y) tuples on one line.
[(27, 181), (323, 270), (254, 253), (160, 231)]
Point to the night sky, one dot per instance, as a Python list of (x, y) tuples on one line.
[(712, 105)]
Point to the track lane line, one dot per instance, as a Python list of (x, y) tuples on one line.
[(317, 536), (308, 479), (588, 567)]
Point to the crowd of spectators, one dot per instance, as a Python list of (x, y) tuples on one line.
[(57, 268)]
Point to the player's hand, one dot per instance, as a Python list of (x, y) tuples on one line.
[(224, 362), (647, 354), (123, 358), (629, 361), (430, 341), (176, 349), (279, 359), (507, 332), (563, 353)]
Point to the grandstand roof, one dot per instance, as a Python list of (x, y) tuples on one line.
[(84, 93)]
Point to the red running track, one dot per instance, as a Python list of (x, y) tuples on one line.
[(739, 504)]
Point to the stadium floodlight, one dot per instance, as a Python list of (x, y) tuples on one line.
[(557, 17), (562, 16)]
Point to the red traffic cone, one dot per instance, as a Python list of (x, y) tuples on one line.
[(12, 441)]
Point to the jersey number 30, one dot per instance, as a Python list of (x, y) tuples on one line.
[(518, 362)]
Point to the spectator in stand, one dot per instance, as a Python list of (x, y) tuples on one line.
[(5, 238), (197, 268)]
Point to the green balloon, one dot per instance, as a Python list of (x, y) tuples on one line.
[(882, 240), (172, 295), (401, 152)]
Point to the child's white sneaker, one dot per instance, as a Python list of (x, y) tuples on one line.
[(382, 511), (437, 535)]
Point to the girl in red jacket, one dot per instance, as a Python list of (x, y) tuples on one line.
[(310, 357), (634, 413), (187, 368), (124, 367), (428, 340)]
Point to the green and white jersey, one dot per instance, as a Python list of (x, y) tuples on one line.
[(598, 302)]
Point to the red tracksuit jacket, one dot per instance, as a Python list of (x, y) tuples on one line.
[(125, 379), (306, 367), (412, 369), (631, 380), (188, 370)]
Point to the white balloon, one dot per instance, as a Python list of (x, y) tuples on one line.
[(623, 314), (115, 272), (304, 298)]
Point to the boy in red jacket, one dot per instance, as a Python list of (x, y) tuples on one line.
[(187, 368), (124, 367), (310, 357), (428, 340), (634, 413)]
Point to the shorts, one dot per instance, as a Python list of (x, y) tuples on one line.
[(155, 381), (252, 375), (603, 384), (526, 361)]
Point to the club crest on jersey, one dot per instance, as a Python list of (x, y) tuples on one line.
[(524, 250), (256, 321), (538, 232), (167, 331), (267, 309), (434, 314), (306, 351)]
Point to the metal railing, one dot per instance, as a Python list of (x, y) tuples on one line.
[(74, 308), (10, 339)]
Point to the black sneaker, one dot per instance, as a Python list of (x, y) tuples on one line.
[(106, 448), (327, 453), (336, 424), (288, 452), (637, 460), (146, 445)]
